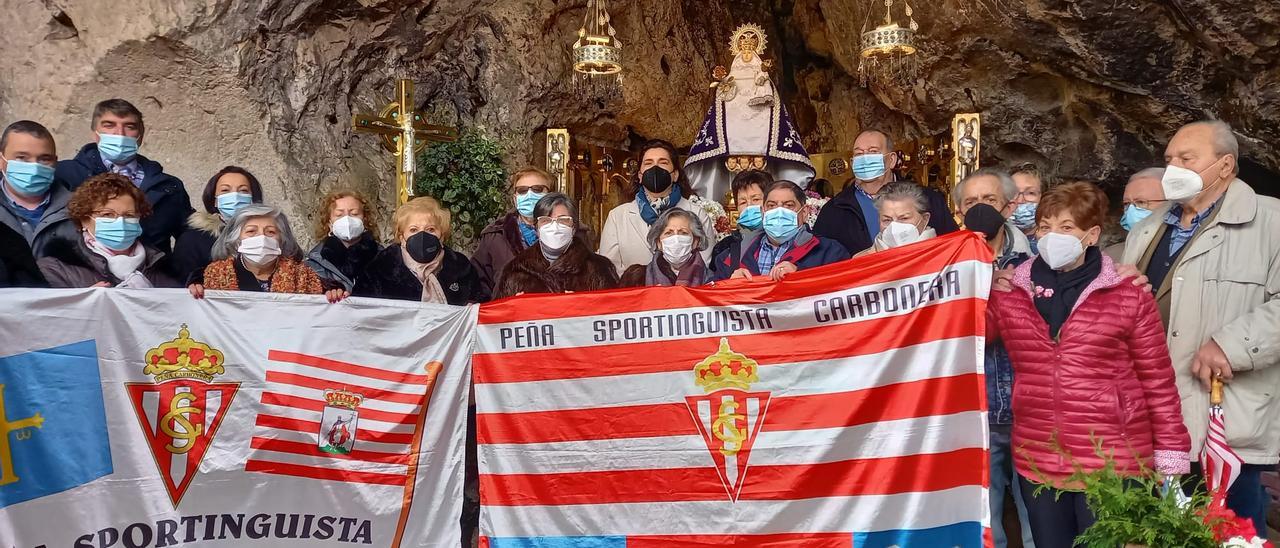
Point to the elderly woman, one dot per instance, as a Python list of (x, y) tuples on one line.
[(1092, 367), (107, 208), (677, 240), (257, 252), (347, 229), (560, 262), (904, 217), (230, 189), (419, 266)]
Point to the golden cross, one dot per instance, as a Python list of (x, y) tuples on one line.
[(7, 474), (404, 133)]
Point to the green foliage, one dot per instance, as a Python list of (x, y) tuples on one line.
[(468, 178), (1132, 510)]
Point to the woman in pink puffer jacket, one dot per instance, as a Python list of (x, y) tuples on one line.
[(1090, 364)]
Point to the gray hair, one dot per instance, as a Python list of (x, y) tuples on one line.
[(549, 202), (1156, 173), (1224, 138), (228, 243), (1006, 184), (695, 226), (888, 141), (904, 191)]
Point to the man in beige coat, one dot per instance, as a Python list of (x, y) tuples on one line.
[(1212, 254)]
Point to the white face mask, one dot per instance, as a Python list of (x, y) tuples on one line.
[(555, 236), (677, 248), (1181, 184), (1059, 250), (347, 228), (899, 234), (260, 250)]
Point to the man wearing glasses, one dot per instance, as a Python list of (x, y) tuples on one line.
[(31, 204), (1141, 196)]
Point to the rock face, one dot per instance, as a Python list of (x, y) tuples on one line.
[(1095, 86)]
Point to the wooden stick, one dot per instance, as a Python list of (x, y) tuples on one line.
[(433, 370), (1215, 392)]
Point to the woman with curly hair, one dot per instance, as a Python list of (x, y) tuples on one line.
[(346, 226), (108, 209)]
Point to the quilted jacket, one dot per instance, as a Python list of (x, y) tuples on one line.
[(1107, 379)]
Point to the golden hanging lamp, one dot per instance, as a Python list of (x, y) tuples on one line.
[(597, 55), (888, 56)]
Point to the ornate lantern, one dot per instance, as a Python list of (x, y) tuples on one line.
[(597, 55), (889, 51)]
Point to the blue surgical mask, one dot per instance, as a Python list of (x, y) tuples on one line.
[(781, 224), (868, 166), (751, 217), (28, 178), (117, 149), (1132, 216), (118, 234), (526, 201), (231, 202), (1024, 216)]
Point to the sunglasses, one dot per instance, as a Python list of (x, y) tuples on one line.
[(540, 189)]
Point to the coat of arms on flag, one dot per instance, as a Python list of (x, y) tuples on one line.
[(338, 423), (180, 413), (728, 415)]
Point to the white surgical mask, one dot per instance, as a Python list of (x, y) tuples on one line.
[(555, 236), (677, 248), (1059, 250), (899, 234), (259, 250), (1181, 184), (347, 228)]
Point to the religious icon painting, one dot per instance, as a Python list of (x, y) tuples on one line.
[(338, 423)]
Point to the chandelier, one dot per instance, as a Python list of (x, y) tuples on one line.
[(888, 55), (597, 55)]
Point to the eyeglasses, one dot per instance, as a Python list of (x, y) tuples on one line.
[(1145, 204), (563, 220), (540, 189), (111, 215)]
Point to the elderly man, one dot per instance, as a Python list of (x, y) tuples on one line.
[(985, 198), (1212, 254), (851, 218), (1141, 194), (785, 244)]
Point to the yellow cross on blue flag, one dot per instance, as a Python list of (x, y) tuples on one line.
[(53, 427)]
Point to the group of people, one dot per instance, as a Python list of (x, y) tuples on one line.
[(1086, 345)]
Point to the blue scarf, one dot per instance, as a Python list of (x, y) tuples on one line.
[(647, 212), (527, 233)]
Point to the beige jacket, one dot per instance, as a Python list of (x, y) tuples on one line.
[(622, 240), (1226, 286)]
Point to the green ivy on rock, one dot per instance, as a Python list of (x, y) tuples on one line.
[(467, 176)]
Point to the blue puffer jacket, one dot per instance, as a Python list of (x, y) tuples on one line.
[(170, 204)]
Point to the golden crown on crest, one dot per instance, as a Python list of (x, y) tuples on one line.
[(342, 398), (184, 358), (725, 369)]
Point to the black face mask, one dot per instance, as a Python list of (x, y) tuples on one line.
[(423, 247), (656, 180), (985, 219)]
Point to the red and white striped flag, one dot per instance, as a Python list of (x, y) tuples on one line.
[(330, 420), (842, 407), (1219, 461)]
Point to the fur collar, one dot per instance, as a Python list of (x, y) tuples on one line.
[(210, 223)]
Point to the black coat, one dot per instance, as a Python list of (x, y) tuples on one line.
[(387, 277), (578, 269), (17, 265), (340, 266), (70, 263), (193, 250), (841, 219), (170, 204)]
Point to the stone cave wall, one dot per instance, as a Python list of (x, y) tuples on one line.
[(1095, 87)]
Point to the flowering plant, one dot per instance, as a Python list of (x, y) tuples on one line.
[(1231, 530), (813, 204), (714, 210)]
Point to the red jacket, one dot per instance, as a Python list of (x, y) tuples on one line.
[(1107, 378)]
